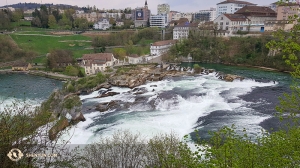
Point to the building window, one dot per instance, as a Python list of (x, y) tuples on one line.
[(241, 28), (221, 18)]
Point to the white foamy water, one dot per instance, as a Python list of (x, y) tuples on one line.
[(199, 97)]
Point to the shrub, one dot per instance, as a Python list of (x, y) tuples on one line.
[(197, 68)]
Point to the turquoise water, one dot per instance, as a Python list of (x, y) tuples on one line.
[(253, 73), (26, 87)]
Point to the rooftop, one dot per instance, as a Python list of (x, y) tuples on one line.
[(187, 24), (236, 2), (98, 58), (162, 43), (236, 17), (256, 11)]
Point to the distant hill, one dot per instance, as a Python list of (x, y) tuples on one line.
[(38, 5)]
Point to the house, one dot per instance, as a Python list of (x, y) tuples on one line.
[(102, 24), (232, 22), (160, 47), (180, 21), (94, 63), (135, 59), (119, 23), (248, 18), (178, 15), (231, 6), (21, 66), (181, 31), (257, 16)]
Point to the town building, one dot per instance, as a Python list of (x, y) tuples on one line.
[(119, 23), (287, 10), (160, 47), (163, 9), (160, 21), (21, 66), (273, 6), (177, 16), (231, 6), (102, 24), (205, 15), (248, 18), (98, 62), (91, 17), (176, 22), (284, 21), (141, 16), (135, 59), (181, 31), (257, 16)]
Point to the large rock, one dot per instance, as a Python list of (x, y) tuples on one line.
[(230, 77), (112, 105), (59, 126), (107, 94)]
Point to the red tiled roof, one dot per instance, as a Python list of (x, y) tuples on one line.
[(236, 17), (97, 58), (187, 24), (256, 11), (162, 43), (133, 56)]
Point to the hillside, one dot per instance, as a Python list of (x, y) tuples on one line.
[(37, 5), (11, 52)]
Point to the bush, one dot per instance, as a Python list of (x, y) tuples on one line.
[(197, 68)]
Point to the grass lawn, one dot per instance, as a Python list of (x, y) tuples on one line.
[(42, 43)]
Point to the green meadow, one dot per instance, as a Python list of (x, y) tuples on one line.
[(43, 43)]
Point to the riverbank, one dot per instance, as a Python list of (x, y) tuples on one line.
[(50, 75)]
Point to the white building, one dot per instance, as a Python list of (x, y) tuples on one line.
[(79, 11), (206, 15), (232, 22), (103, 24), (94, 63), (159, 20), (161, 47), (231, 6), (135, 59), (163, 9), (249, 18), (181, 31)]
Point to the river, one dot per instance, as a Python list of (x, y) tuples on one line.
[(179, 105)]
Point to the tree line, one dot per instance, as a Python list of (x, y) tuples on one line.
[(232, 50), (53, 19), (7, 17)]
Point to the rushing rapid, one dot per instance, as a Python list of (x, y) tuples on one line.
[(177, 105)]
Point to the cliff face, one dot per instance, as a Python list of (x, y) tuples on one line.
[(61, 106)]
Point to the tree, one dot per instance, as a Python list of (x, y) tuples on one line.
[(4, 21), (119, 53), (52, 22), (25, 127)]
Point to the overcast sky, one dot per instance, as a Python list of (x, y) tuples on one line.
[(177, 5)]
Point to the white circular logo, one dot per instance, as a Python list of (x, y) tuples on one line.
[(15, 154), (139, 14)]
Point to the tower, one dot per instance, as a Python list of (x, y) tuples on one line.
[(146, 4)]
